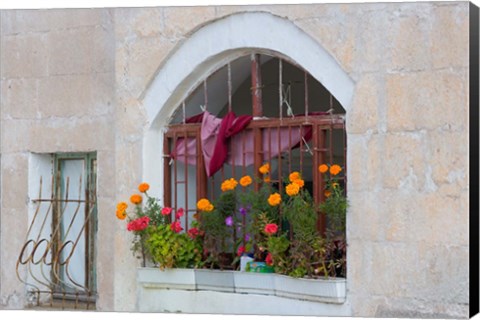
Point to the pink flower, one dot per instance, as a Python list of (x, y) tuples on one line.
[(229, 221), (179, 213), (176, 226), (166, 211), (240, 250), (193, 233), (271, 228)]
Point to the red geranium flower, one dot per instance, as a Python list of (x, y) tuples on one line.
[(176, 226), (179, 213), (138, 224), (271, 228), (240, 250), (268, 259), (166, 211), (193, 233)]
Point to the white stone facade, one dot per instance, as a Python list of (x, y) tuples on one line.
[(107, 80)]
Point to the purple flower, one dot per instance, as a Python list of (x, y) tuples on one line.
[(229, 221), (243, 211), (247, 237)]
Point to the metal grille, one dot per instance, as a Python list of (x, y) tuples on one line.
[(305, 143), (288, 142), (56, 262)]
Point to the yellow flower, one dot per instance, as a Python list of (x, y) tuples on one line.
[(204, 205), (335, 169), (136, 199), (292, 189), (143, 187), (334, 185), (294, 176), (323, 168), (327, 193), (274, 199), (300, 182), (264, 169), (229, 184), (245, 181)]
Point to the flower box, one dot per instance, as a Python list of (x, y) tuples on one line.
[(330, 290), (214, 280), (154, 278), (256, 283)]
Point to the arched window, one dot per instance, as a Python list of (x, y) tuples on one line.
[(257, 109)]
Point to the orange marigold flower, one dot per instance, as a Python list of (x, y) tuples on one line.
[(327, 193), (323, 168), (335, 169), (299, 182), (335, 185), (294, 176), (274, 199), (292, 189), (136, 199), (122, 206), (266, 179), (204, 205), (229, 184), (121, 214), (264, 169), (245, 181), (143, 187)]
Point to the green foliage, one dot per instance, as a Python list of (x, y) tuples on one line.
[(172, 250), (335, 207)]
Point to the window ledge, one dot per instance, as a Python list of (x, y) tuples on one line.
[(330, 290)]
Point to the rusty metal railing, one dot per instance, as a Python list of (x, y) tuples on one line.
[(58, 244)]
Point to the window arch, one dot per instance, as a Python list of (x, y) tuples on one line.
[(264, 108)]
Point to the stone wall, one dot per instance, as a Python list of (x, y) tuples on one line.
[(57, 95), (407, 130)]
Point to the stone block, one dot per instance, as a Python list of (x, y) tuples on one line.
[(404, 162), (335, 37), (24, 56), (148, 22), (363, 114), (447, 153), (14, 181), (356, 157), (446, 220), (446, 276), (106, 174), (141, 61), (426, 100), (19, 98), (370, 54), (450, 32), (408, 38), (365, 217), (65, 96), (70, 51), (394, 270), (179, 22), (42, 20), (104, 49)]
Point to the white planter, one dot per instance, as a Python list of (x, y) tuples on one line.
[(214, 280), (252, 282), (321, 290), (154, 278)]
